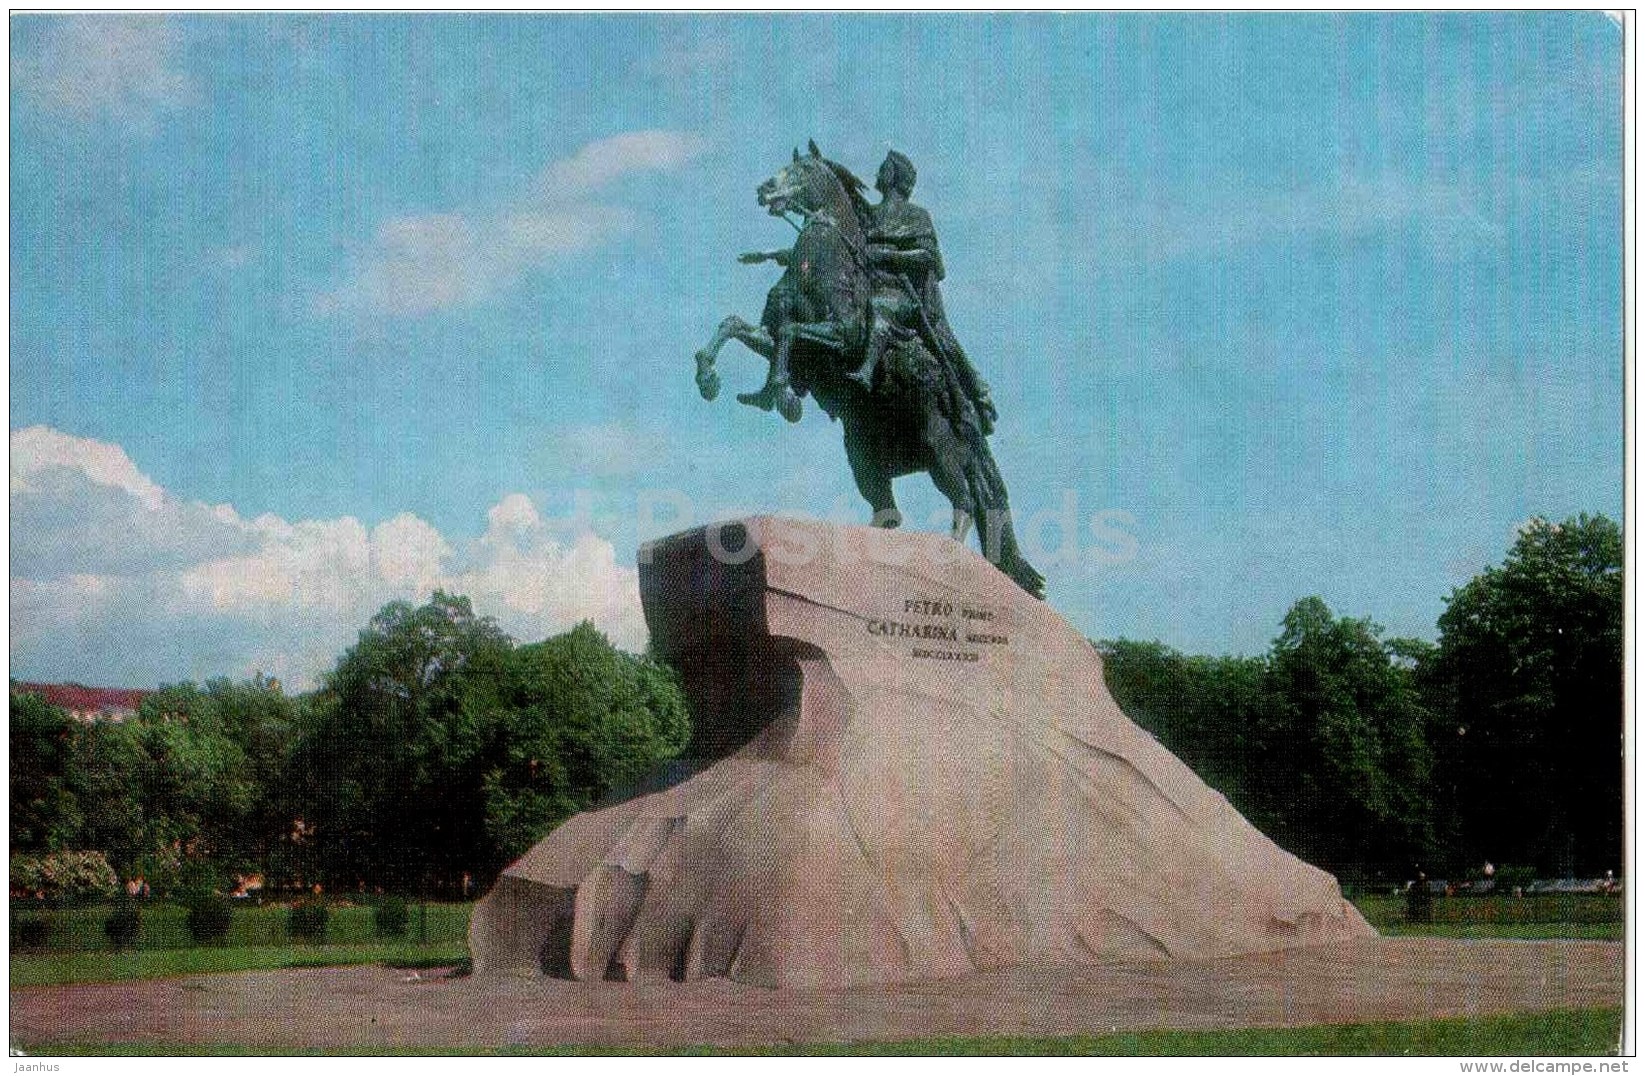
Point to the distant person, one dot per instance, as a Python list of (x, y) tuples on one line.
[(1419, 900)]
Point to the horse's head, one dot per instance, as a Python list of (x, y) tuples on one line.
[(809, 183), (796, 187)]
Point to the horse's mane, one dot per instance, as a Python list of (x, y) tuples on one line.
[(854, 189), (839, 194), (850, 185)]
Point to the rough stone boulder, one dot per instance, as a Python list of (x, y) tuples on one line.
[(913, 770)]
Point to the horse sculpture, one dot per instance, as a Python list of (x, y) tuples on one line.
[(916, 416)]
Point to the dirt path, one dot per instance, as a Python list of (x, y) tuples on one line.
[(362, 1007)]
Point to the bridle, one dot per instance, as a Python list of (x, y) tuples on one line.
[(857, 250)]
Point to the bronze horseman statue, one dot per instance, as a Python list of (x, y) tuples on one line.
[(857, 322)]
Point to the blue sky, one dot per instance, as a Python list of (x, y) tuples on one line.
[(312, 312)]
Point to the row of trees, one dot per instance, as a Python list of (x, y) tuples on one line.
[(436, 749), (1500, 742)]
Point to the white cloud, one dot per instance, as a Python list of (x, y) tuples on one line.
[(536, 583), (609, 159), (408, 552), (38, 450), (419, 264), (80, 506), (416, 265), (116, 67), (150, 588), (514, 512)]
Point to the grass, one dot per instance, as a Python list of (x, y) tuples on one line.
[(1562, 915), (164, 926), (77, 951), (1565, 1033), (54, 969), (1521, 931), (257, 941)]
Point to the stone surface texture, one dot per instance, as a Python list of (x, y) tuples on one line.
[(913, 771)]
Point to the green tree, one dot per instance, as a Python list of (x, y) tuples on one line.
[(583, 720), (437, 748), (1348, 783), (389, 765), (45, 812), (1528, 673), (1320, 743), (193, 776), (108, 769), (196, 788), (1199, 708), (260, 722)]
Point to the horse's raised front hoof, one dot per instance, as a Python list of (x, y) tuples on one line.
[(708, 379)]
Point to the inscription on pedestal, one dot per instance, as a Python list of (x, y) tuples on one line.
[(958, 623)]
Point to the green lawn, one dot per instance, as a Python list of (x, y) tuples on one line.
[(1522, 931), (57, 968), (257, 940), (1567, 915), (1570, 1033), (77, 951), (164, 927)]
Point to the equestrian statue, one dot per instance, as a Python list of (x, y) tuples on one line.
[(856, 322)]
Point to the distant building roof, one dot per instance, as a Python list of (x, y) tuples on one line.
[(87, 701)]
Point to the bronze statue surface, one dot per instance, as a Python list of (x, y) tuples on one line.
[(857, 322)]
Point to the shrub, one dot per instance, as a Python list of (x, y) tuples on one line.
[(64, 877), (192, 877), (391, 918), (163, 870), (209, 917), (1419, 902), (308, 921), (123, 924), (29, 931)]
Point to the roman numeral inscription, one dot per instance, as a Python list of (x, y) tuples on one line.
[(942, 622)]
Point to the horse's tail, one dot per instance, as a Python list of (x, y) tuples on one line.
[(999, 537)]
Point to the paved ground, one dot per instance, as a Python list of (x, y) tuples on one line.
[(330, 1008)]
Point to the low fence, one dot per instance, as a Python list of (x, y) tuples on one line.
[(1582, 908), (163, 925)]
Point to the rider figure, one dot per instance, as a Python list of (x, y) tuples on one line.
[(907, 265), (903, 250)]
